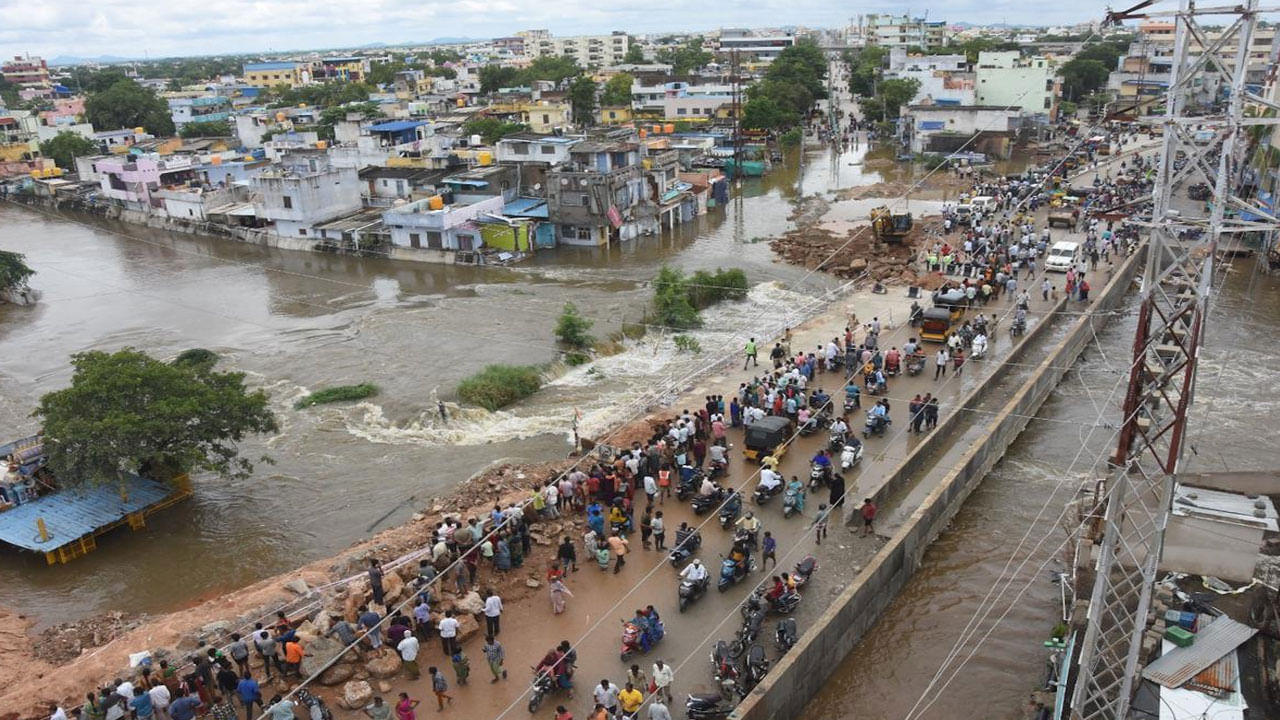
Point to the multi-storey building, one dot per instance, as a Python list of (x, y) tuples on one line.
[(207, 109), (305, 191), (270, 74), (1006, 79), (903, 31), (587, 50), (594, 197), (763, 47), (944, 79), (26, 72)]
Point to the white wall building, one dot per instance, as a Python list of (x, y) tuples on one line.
[(587, 50), (1006, 79), (304, 191), (748, 44), (442, 227), (944, 79)]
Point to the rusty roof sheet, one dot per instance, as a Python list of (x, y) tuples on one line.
[(1212, 643), (1219, 679)]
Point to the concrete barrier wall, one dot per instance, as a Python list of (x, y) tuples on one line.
[(799, 675)]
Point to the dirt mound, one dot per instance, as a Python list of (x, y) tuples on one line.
[(856, 253), (65, 642)]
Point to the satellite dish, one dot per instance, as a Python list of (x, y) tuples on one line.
[(537, 186)]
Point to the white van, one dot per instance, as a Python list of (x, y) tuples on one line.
[(983, 203), (1063, 256)]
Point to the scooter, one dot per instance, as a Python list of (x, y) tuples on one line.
[(876, 425), (685, 549), (703, 504), (792, 502), (718, 469), (803, 569), (632, 636), (784, 635), (851, 403), (731, 572), (851, 453), (691, 590), (813, 425), (818, 475), (915, 365), (731, 509), (836, 440), (764, 495)]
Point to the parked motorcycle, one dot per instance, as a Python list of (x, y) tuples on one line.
[(755, 667), (785, 635), (708, 706), (803, 569), (685, 548), (689, 485)]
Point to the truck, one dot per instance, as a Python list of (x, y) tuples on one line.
[(1064, 216)]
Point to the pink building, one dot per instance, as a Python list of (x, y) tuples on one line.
[(66, 111), (133, 179)]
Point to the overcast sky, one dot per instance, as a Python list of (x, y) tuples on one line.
[(160, 28)]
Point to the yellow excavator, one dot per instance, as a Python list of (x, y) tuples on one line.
[(889, 227)]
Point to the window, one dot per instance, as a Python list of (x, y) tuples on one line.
[(548, 150), (1048, 103), (288, 202), (1048, 85), (302, 232), (681, 111), (546, 119), (435, 240), (415, 240), (520, 148)]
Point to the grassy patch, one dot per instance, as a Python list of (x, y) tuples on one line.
[(687, 343), (497, 386), (575, 358), (196, 358), (342, 393)]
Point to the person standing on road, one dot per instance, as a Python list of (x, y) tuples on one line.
[(492, 613), (751, 354), (915, 414), (448, 628), (659, 531), (568, 554), (835, 497), (620, 547), (931, 413), (606, 695), (768, 550), (408, 647), (663, 677), (940, 363), (820, 523), (495, 655)]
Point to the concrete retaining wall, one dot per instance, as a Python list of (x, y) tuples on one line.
[(796, 679)]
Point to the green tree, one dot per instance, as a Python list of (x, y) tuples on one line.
[(491, 130), (14, 271), (582, 99), (218, 128), (685, 58), (864, 69), (384, 73), (126, 104), (635, 54), (66, 146), (493, 77), (128, 412), (895, 93), (618, 90), (556, 68), (791, 138), (1081, 77), (572, 328), (671, 300), (762, 113)]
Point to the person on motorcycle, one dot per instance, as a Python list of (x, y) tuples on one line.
[(1020, 317), (852, 393), (823, 461), (776, 592), (917, 313), (683, 533), (694, 572), (893, 361), (769, 479), (911, 349), (619, 518), (805, 421), (795, 490), (708, 487), (876, 381), (750, 523), (717, 456), (979, 345), (818, 401), (840, 428), (789, 581)]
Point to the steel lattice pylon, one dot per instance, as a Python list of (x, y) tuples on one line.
[(1176, 289)]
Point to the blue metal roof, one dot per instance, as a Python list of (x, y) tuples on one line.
[(526, 207), (397, 125), (250, 67), (71, 514)]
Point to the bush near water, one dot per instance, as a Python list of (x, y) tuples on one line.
[(342, 393), (678, 298), (497, 386)]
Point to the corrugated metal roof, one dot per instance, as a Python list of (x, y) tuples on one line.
[(73, 513), (1224, 506), (1213, 641), (1218, 679)]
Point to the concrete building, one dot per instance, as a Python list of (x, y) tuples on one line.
[(431, 224), (944, 129), (27, 73), (594, 197), (679, 100), (589, 51), (207, 109), (341, 69), (305, 191), (271, 74), (763, 47), (903, 31), (944, 79), (1006, 79), (535, 147), (134, 180)]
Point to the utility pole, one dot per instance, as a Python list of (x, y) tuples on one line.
[(1177, 286), (737, 120)]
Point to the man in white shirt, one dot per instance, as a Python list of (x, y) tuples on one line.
[(408, 648), (160, 699), (769, 480), (606, 693), (492, 614), (694, 571), (448, 628)]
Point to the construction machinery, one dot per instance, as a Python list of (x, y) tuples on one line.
[(888, 226)]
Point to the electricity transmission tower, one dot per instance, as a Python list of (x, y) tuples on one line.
[(1210, 110)]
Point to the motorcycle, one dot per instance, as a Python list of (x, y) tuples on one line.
[(731, 509), (703, 504), (718, 469), (877, 388), (813, 425), (752, 619), (689, 485), (803, 569), (851, 454), (915, 365), (784, 605), (756, 667), (792, 502), (685, 548), (784, 635), (633, 638), (732, 572), (1018, 327), (544, 684), (836, 440), (819, 474), (749, 538), (709, 706), (691, 590), (764, 495), (979, 348), (876, 425)]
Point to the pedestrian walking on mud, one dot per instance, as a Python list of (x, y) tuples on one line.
[(448, 628), (495, 655), (659, 531), (620, 547), (461, 667), (820, 523), (558, 594), (646, 526), (751, 354), (768, 550), (567, 554), (940, 363)]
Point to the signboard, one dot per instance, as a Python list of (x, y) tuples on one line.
[(933, 125), (615, 217)]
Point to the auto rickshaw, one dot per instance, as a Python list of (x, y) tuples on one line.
[(953, 301), (937, 324), (767, 436)]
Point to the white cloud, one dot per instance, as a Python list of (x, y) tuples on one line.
[(159, 28)]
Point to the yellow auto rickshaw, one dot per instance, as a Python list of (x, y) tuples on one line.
[(765, 437)]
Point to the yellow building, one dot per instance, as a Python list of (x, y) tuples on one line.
[(542, 116), (270, 74), (615, 115)]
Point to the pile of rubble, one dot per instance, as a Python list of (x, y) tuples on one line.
[(65, 642), (854, 254)]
